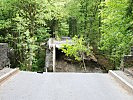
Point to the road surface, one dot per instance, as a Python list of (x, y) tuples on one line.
[(62, 86)]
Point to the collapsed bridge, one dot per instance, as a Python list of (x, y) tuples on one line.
[(54, 44)]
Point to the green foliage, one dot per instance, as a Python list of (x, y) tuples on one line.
[(77, 49), (5, 16), (88, 21), (26, 24), (23, 24), (116, 37), (26, 28), (63, 29), (30, 29)]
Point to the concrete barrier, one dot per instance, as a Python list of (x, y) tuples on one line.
[(8, 75), (122, 81)]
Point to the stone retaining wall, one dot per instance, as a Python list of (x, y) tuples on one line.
[(4, 60)]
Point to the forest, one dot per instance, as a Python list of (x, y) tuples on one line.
[(103, 28)]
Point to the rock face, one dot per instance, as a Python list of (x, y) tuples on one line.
[(4, 60), (128, 61)]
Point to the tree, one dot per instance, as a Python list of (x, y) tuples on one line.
[(24, 25), (85, 12), (116, 37), (26, 29), (77, 50)]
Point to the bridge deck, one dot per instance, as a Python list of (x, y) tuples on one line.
[(62, 86)]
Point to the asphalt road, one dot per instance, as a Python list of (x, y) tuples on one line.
[(62, 86)]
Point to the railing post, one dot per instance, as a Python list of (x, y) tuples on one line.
[(54, 57)]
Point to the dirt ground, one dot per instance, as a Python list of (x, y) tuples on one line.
[(67, 64), (64, 66)]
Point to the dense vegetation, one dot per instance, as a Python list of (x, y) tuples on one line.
[(105, 25)]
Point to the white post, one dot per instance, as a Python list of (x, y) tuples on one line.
[(54, 57)]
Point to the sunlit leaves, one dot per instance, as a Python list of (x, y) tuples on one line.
[(77, 49), (116, 36)]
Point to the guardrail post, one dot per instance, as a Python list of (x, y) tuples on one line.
[(54, 57)]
